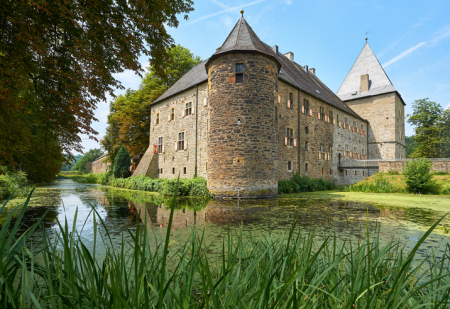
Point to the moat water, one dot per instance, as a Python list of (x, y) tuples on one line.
[(71, 203)]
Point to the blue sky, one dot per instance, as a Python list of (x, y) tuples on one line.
[(410, 38)]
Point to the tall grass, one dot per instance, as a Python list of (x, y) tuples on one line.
[(290, 270), (304, 184), (379, 185)]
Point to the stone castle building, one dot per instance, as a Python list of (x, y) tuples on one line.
[(250, 115)]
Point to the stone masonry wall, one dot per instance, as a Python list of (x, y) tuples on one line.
[(173, 161), (386, 130), (242, 149), (440, 165)]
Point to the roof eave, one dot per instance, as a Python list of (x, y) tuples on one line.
[(374, 95), (234, 51)]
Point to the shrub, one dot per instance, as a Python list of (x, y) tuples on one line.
[(122, 163), (418, 176), (303, 184), (393, 172), (13, 183)]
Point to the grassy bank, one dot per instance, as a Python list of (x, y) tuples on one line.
[(438, 203), (392, 183), (279, 270), (166, 187)]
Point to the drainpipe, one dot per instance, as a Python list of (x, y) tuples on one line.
[(196, 128), (299, 143), (367, 146)]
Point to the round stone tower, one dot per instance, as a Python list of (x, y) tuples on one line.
[(242, 145)]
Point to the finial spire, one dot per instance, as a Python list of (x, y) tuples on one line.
[(367, 36), (242, 13)]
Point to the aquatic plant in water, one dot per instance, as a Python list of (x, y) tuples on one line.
[(287, 270)]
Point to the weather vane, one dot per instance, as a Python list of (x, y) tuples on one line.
[(367, 34)]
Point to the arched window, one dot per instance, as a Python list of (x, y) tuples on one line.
[(306, 146)]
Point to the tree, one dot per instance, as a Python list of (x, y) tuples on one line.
[(58, 60), (410, 145), (432, 129), (90, 156), (122, 163), (67, 166), (129, 118)]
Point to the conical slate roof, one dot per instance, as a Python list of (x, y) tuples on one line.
[(243, 39), (366, 63)]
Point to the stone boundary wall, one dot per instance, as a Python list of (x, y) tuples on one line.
[(438, 165)]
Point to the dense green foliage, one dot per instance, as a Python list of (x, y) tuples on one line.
[(304, 184), (166, 187), (432, 130), (288, 270), (129, 118), (59, 59), (67, 166), (89, 156), (410, 146), (380, 185), (122, 163), (13, 183), (418, 175)]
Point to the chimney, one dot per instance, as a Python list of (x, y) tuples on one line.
[(312, 71), (306, 69), (365, 83), (275, 49), (290, 56)]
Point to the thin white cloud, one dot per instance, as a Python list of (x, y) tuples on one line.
[(441, 35), (402, 55), (220, 4), (236, 8), (390, 47)]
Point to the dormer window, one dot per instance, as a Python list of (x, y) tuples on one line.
[(239, 73)]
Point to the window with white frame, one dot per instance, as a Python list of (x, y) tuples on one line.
[(180, 145), (188, 110), (160, 145)]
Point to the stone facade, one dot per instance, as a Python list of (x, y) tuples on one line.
[(438, 165), (101, 165), (174, 158), (242, 143), (386, 116), (249, 116)]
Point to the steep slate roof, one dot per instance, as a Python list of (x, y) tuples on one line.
[(379, 82), (243, 39), (195, 76)]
